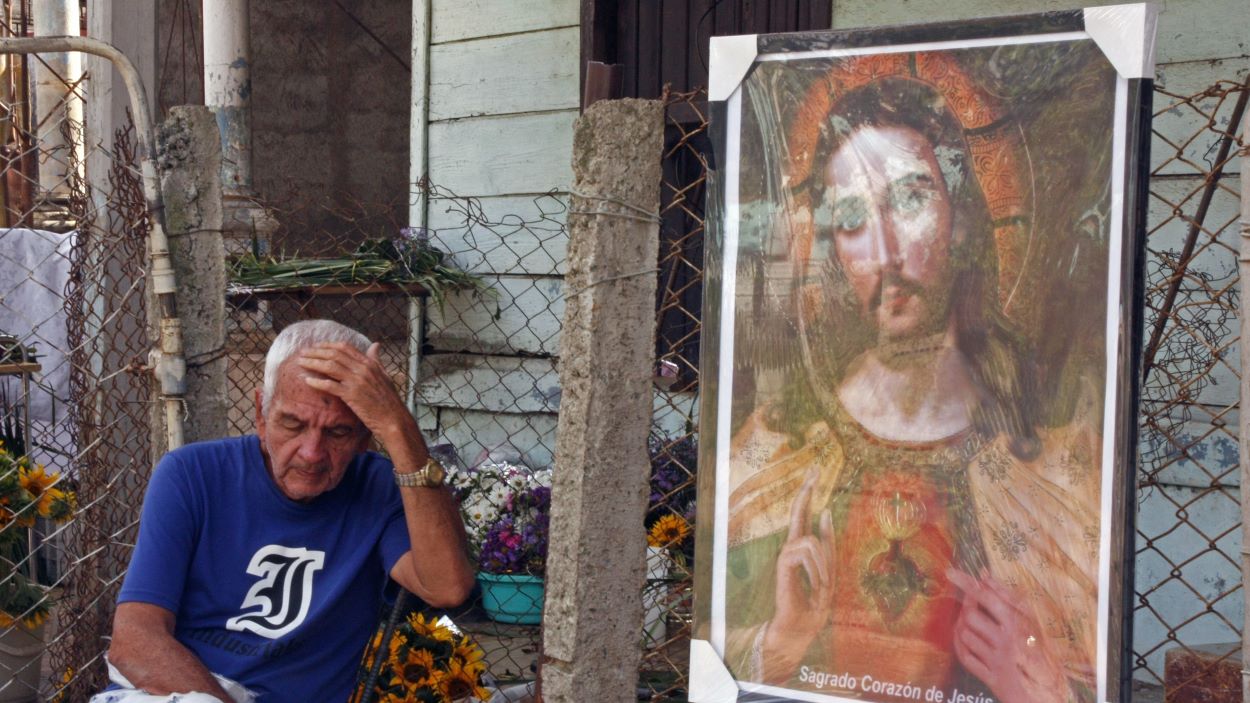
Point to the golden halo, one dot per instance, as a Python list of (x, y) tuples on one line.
[(994, 142)]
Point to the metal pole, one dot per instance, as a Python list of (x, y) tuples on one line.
[(1243, 422), (228, 89), (418, 172), (228, 93), (58, 97), (167, 360)]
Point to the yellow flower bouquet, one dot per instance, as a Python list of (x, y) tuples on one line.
[(425, 661), (26, 492)]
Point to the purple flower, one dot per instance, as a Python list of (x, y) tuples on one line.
[(517, 542)]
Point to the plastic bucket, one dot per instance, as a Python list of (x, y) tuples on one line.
[(512, 598), (20, 651)]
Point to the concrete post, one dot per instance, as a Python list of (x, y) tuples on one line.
[(189, 157), (597, 554), (228, 93), (58, 99)]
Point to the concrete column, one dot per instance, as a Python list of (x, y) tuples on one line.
[(58, 99), (597, 554), (189, 156), (228, 93)]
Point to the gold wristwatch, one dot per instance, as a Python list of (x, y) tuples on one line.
[(429, 476)]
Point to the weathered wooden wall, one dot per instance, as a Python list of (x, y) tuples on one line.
[(503, 95)]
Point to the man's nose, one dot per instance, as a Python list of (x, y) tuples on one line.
[(885, 248), (312, 447)]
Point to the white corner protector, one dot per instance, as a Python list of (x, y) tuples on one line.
[(729, 60), (710, 681), (1126, 35)]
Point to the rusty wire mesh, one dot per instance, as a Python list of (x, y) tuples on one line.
[(674, 438), (480, 374), (1189, 600), (1188, 594), (73, 238)]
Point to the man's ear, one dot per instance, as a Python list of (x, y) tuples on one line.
[(260, 414)]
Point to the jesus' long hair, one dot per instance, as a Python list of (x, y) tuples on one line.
[(832, 330)]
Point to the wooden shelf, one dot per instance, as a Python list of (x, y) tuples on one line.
[(241, 293), (16, 369)]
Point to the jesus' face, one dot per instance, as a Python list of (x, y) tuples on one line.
[(890, 216)]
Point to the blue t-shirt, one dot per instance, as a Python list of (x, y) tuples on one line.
[(278, 595)]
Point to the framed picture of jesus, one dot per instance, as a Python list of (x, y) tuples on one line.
[(921, 328)]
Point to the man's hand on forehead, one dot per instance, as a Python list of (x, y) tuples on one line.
[(359, 380)]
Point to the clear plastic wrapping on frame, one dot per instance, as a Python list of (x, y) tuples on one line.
[(915, 309)]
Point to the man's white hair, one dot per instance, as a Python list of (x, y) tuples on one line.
[(300, 335)]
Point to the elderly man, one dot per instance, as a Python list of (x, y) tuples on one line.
[(261, 560)]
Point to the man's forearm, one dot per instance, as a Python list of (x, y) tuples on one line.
[(145, 651), (437, 569)]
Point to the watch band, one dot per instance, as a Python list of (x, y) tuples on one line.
[(429, 476)]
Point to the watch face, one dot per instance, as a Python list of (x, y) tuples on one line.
[(434, 472)]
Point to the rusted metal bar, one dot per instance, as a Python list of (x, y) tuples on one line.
[(1195, 227), (1243, 421), (167, 358)]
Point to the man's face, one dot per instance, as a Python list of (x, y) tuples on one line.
[(308, 437), (890, 217)]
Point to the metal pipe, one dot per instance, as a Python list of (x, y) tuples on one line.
[(57, 97), (418, 173), (419, 146), (1243, 420), (167, 360), (1191, 240), (228, 89)]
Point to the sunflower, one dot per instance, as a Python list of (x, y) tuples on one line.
[(16, 502), (49, 502), (461, 680), (467, 651), (669, 531), (36, 617), (66, 678), (37, 480), (416, 668), (429, 629)]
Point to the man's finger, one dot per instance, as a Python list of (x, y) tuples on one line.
[(985, 647), (326, 367), (345, 353), (971, 660), (829, 543), (811, 569), (815, 556), (799, 509), (963, 582), (976, 622), (992, 602), (1008, 598), (321, 383)]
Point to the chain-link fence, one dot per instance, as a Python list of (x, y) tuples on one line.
[(1189, 600), (74, 387), (674, 438), (479, 370), (476, 364)]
